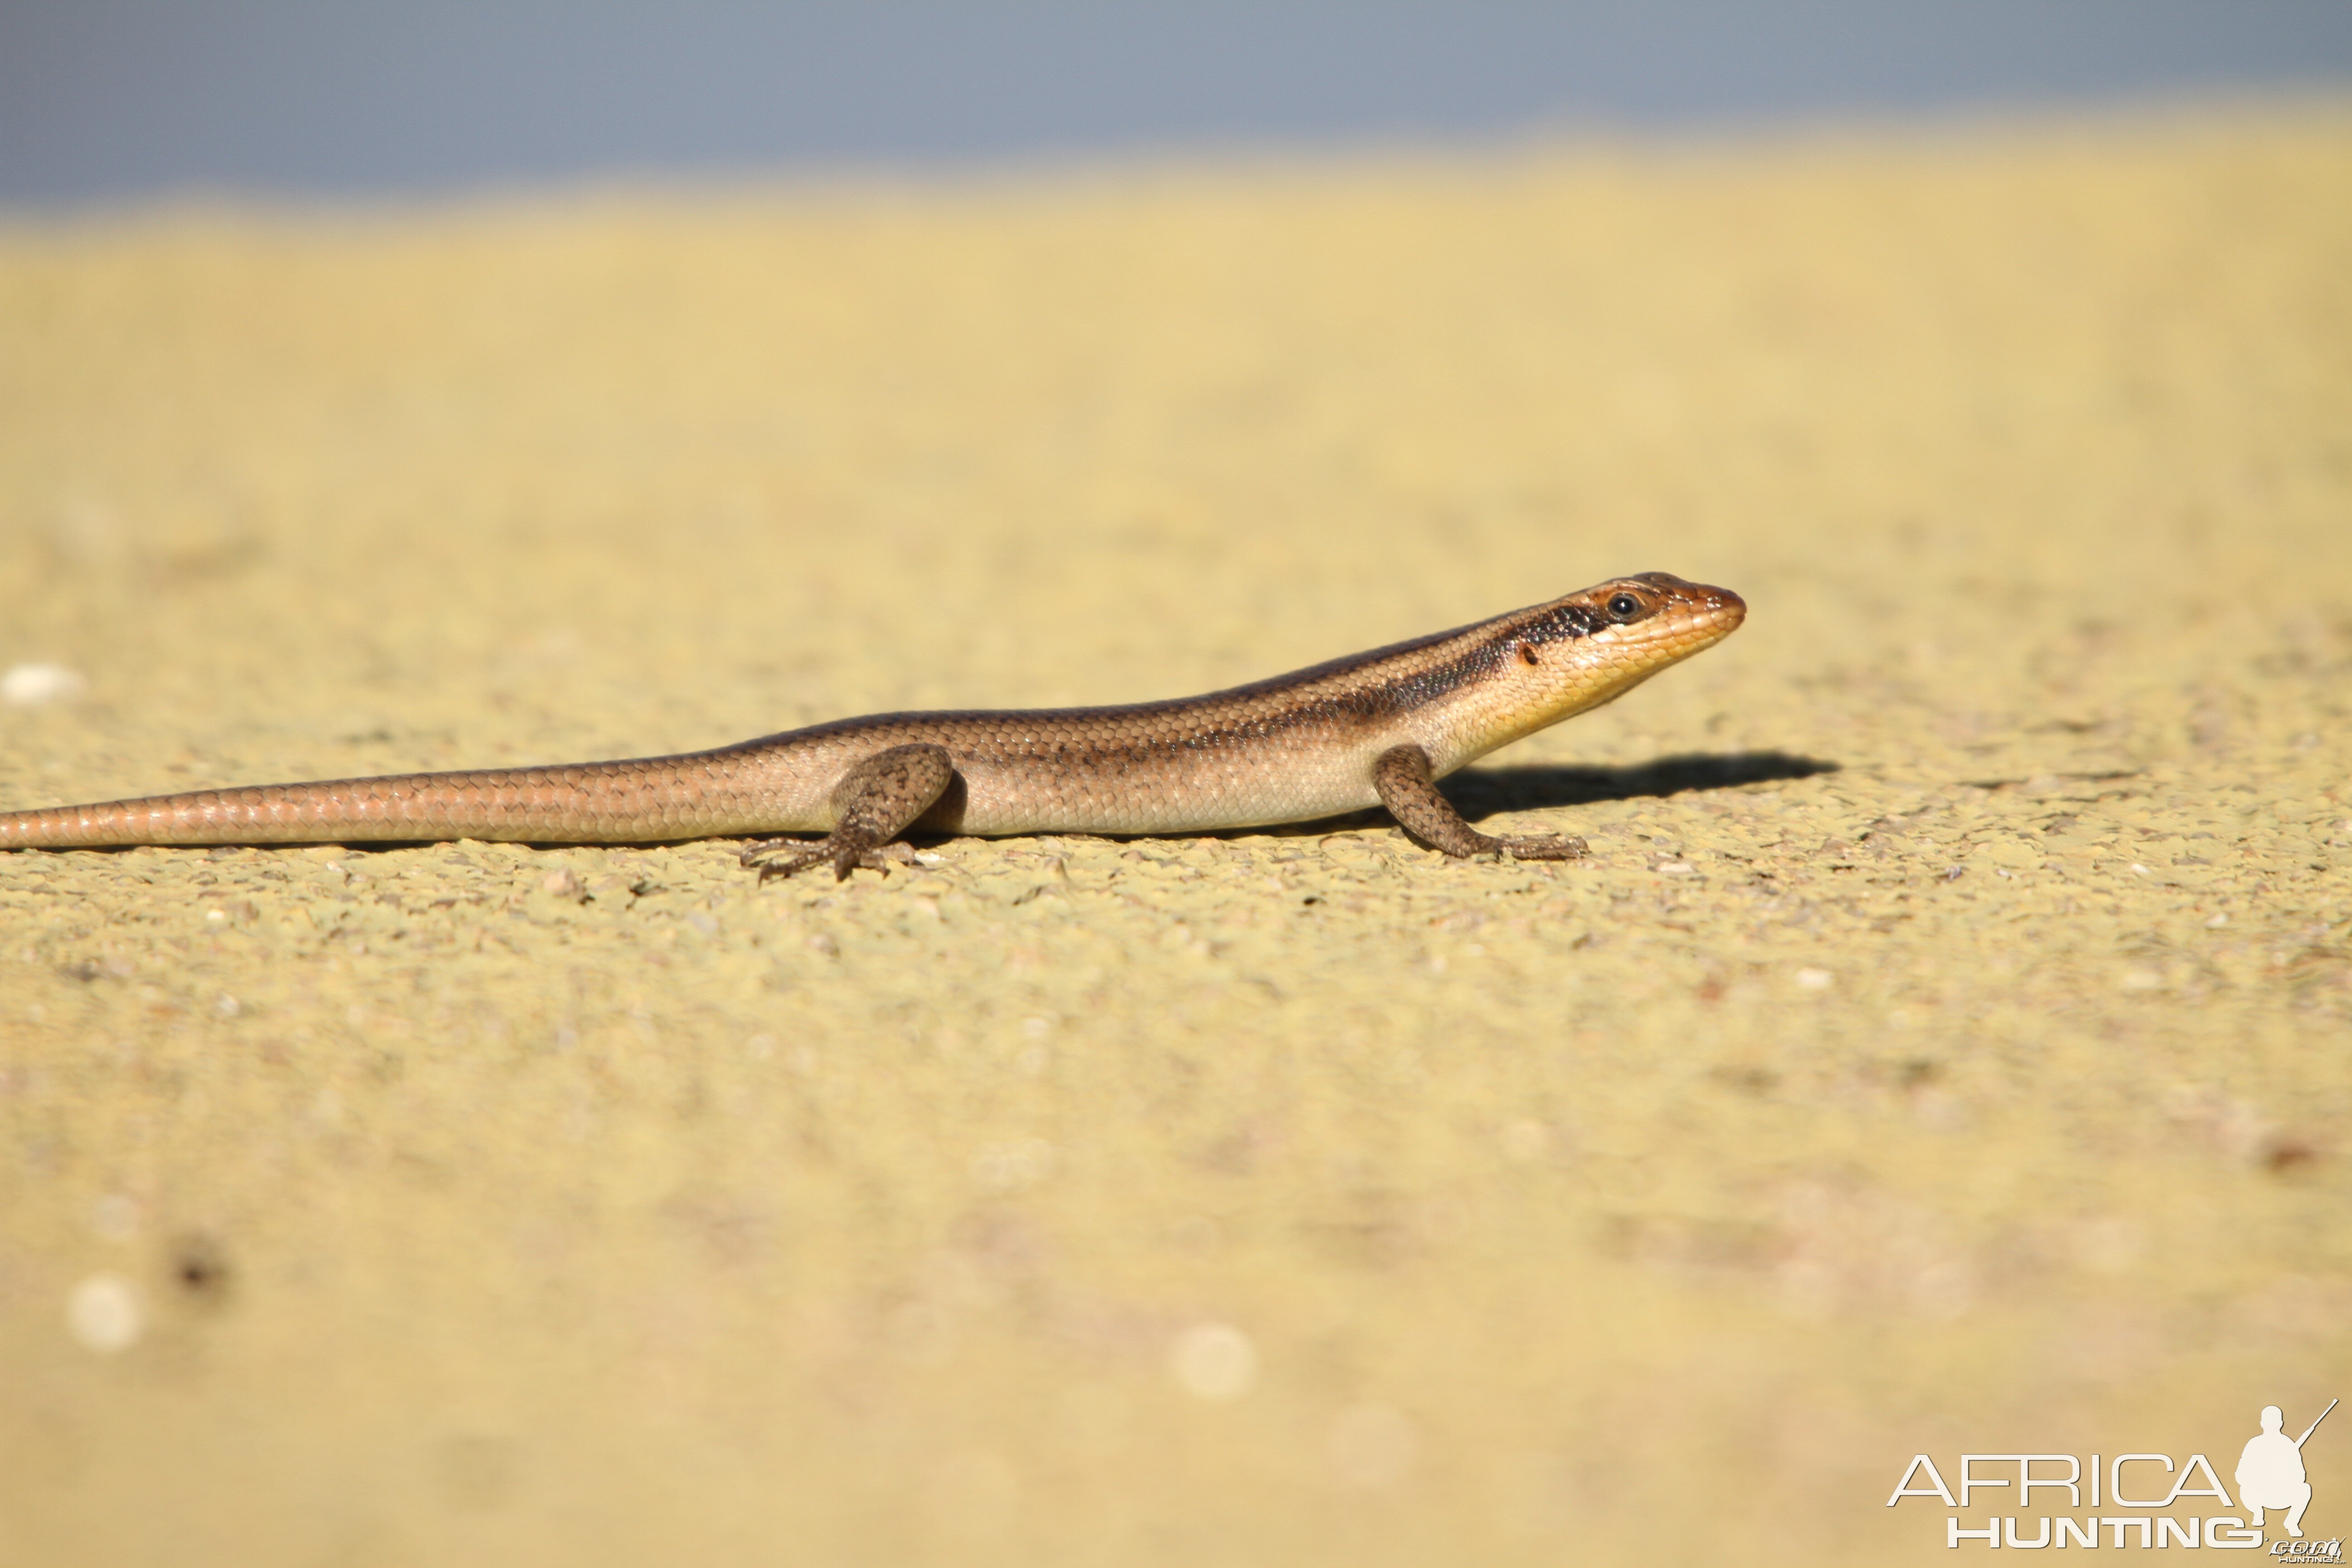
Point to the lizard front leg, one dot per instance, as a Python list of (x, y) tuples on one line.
[(1408, 787)]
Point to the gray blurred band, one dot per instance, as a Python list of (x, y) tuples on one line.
[(102, 99)]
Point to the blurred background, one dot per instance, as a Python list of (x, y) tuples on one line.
[(422, 384), (107, 99)]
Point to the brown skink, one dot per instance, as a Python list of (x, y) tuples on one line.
[(1376, 728)]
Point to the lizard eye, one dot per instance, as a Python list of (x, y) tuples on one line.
[(1624, 606)]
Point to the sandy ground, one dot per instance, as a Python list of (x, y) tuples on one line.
[(1945, 1048)]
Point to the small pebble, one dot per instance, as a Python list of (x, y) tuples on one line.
[(31, 685), (103, 1313)]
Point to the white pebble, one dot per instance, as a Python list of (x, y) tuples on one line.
[(30, 685), (103, 1313), (1213, 1361), (1814, 979)]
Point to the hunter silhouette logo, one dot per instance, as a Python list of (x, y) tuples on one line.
[(2270, 1474)]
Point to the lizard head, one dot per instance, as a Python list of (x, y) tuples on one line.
[(1607, 639), (1647, 622), (1557, 659)]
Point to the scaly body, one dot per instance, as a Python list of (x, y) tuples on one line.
[(1375, 729)]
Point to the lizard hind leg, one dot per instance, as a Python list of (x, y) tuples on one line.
[(1408, 787), (874, 801)]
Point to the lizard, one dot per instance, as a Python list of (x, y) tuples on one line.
[(1377, 728)]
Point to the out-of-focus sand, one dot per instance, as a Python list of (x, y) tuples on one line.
[(478, 1205)]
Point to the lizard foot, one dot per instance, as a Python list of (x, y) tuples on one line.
[(1543, 847), (844, 858)]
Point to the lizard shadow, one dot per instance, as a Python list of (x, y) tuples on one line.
[(1481, 792)]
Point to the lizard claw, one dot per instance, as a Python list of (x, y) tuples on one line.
[(1545, 847), (846, 859), (752, 851), (806, 855)]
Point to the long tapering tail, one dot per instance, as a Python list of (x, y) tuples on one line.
[(644, 799)]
